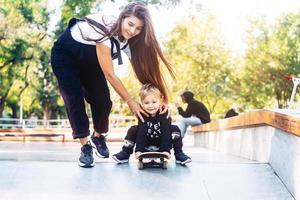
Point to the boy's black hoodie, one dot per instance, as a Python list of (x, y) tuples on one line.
[(154, 131)]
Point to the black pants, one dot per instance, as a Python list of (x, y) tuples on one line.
[(131, 135), (80, 77)]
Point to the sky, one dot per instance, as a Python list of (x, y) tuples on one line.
[(232, 15)]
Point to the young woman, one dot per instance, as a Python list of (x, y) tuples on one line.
[(82, 62), (196, 113)]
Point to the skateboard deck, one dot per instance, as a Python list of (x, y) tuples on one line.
[(153, 160)]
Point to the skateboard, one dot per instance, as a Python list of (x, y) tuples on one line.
[(153, 160)]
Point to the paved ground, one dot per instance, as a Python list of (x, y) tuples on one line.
[(36, 170)]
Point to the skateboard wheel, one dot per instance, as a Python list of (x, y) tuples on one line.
[(165, 165), (141, 165)]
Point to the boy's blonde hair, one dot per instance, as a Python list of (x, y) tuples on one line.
[(147, 89)]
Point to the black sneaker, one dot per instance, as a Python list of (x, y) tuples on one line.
[(182, 159), (121, 157), (86, 158), (99, 144)]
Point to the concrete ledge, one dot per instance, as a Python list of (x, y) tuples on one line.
[(263, 136), (251, 143), (285, 160), (282, 121)]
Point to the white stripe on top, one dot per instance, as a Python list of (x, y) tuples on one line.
[(89, 32)]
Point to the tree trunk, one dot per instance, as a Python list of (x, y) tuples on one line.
[(47, 115), (14, 110), (1, 108)]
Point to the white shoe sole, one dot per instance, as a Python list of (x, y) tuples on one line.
[(185, 162), (119, 161), (85, 165), (96, 151)]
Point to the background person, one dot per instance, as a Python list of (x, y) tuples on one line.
[(231, 113), (196, 113)]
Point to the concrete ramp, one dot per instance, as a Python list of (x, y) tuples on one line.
[(50, 171), (266, 136)]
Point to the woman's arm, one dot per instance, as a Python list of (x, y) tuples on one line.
[(105, 61)]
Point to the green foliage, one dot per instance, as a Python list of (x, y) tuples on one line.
[(273, 52), (75, 8), (24, 52), (195, 47), (201, 61), (25, 11)]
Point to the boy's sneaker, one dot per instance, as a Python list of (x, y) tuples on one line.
[(182, 159), (121, 157), (100, 145), (86, 158)]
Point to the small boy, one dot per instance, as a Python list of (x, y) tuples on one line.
[(156, 132)]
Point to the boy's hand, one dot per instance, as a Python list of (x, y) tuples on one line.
[(167, 154), (137, 154)]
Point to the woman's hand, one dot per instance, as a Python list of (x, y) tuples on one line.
[(137, 109), (164, 108)]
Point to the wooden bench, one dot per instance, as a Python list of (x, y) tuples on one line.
[(53, 134), (7, 134)]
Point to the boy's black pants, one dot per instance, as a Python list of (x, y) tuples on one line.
[(131, 135)]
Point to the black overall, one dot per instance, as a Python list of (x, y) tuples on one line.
[(80, 77)]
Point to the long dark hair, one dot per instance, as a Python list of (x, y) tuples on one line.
[(187, 96), (146, 53), (145, 50)]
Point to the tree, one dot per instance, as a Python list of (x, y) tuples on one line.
[(73, 8), (199, 55), (25, 58), (46, 86), (22, 28), (273, 52)]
